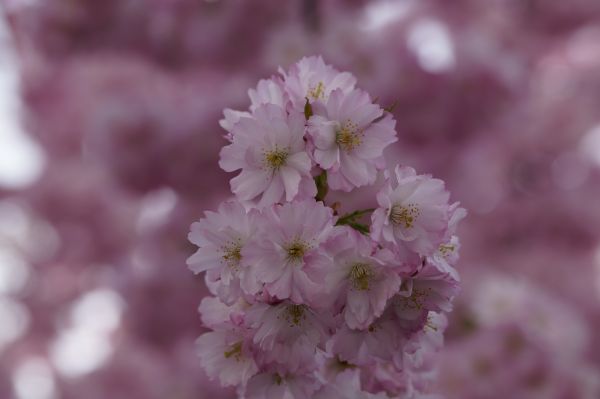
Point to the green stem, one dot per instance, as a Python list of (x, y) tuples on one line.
[(352, 216), (350, 219), (322, 187)]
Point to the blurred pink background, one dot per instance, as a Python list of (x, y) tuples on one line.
[(109, 142)]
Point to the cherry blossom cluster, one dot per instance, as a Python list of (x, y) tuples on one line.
[(309, 302)]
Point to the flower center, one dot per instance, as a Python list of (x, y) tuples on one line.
[(416, 300), (232, 254), (278, 379), (317, 91), (235, 350), (360, 276), (447, 249), (348, 136), (276, 158), (404, 215), (294, 314), (296, 250)]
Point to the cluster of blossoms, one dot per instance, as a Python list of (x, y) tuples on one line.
[(309, 303)]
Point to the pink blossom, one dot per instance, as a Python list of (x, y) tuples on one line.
[(268, 91), (286, 254), (227, 351), (225, 355), (413, 209), (432, 289), (220, 316), (346, 385), (349, 134), (231, 118), (288, 333), (275, 386), (363, 280), (445, 257), (313, 80), (221, 237), (381, 341), (269, 149)]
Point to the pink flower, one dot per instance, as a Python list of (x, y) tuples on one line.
[(275, 386), (220, 316), (269, 149), (226, 355), (432, 289), (220, 237), (389, 378), (447, 253), (349, 139), (445, 257), (313, 80), (412, 209), (268, 91), (381, 341), (286, 254), (346, 385), (288, 333), (363, 280), (227, 351), (231, 118)]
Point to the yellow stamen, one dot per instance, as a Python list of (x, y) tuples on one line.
[(235, 351), (447, 249), (296, 250), (317, 92), (404, 215), (232, 254), (348, 137), (417, 298), (295, 314), (275, 158), (360, 276)]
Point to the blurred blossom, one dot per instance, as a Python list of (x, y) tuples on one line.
[(14, 321), (378, 14), (21, 159), (84, 345), (590, 145), (33, 379), (508, 320), (430, 42)]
